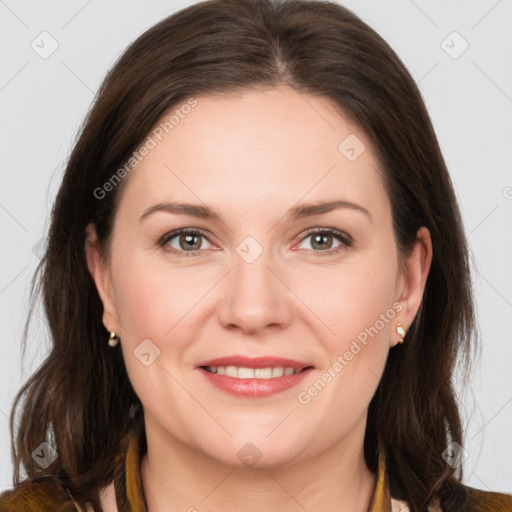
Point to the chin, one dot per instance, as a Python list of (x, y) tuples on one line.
[(256, 452)]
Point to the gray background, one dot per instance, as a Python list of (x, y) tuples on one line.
[(469, 97)]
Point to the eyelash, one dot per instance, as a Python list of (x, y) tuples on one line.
[(346, 241)]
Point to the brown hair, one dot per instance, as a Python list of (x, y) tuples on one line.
[(81, 394)]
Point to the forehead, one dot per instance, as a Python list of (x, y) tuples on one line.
[(257, 148)]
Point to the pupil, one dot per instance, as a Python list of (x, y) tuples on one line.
[(320, 238), (189, 242)]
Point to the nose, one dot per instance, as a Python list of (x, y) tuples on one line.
[(255, 297)]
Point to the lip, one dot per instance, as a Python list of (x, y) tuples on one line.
[(256, 362), (255, 388)]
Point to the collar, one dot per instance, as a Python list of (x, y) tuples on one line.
[(130, 494)]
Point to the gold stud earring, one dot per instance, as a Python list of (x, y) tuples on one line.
[(401, 331), (114, 339)]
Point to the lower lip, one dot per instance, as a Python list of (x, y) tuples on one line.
[(256, 388)]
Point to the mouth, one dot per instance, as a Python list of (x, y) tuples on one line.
[(259, 377), (241, 372)]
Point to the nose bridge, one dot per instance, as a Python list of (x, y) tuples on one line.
[(254, 297)]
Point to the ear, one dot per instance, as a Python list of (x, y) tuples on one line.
[(413, 279), (100, 273)]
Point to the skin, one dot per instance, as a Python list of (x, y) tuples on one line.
[(252, 157)]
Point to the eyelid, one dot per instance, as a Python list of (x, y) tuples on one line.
[(167, 237), (345, 240)]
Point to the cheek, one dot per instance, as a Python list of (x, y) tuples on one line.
[(153, 299), (155, 296), (356, 303), (351, 299)]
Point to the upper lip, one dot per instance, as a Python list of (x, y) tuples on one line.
[(255, 362)]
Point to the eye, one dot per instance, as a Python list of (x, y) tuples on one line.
[(184, 242), (189, 241), (322, 240)]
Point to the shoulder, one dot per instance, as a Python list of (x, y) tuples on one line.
[(478, 500), (37, 495)]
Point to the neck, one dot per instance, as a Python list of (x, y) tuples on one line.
[(177, 477)]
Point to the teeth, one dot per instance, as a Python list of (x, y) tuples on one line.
[(231, 371), (277, 372), (251, 373), (263, 373), (243, 373)]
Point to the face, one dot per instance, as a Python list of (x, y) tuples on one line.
[(257, 274)]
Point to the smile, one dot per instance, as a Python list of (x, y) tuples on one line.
[(254, 377), (251, 373)]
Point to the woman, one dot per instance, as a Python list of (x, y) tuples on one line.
[(256, 280)]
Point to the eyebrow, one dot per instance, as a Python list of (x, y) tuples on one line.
[(297, 212)]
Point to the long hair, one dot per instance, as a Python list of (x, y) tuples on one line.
[(81, 398)]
